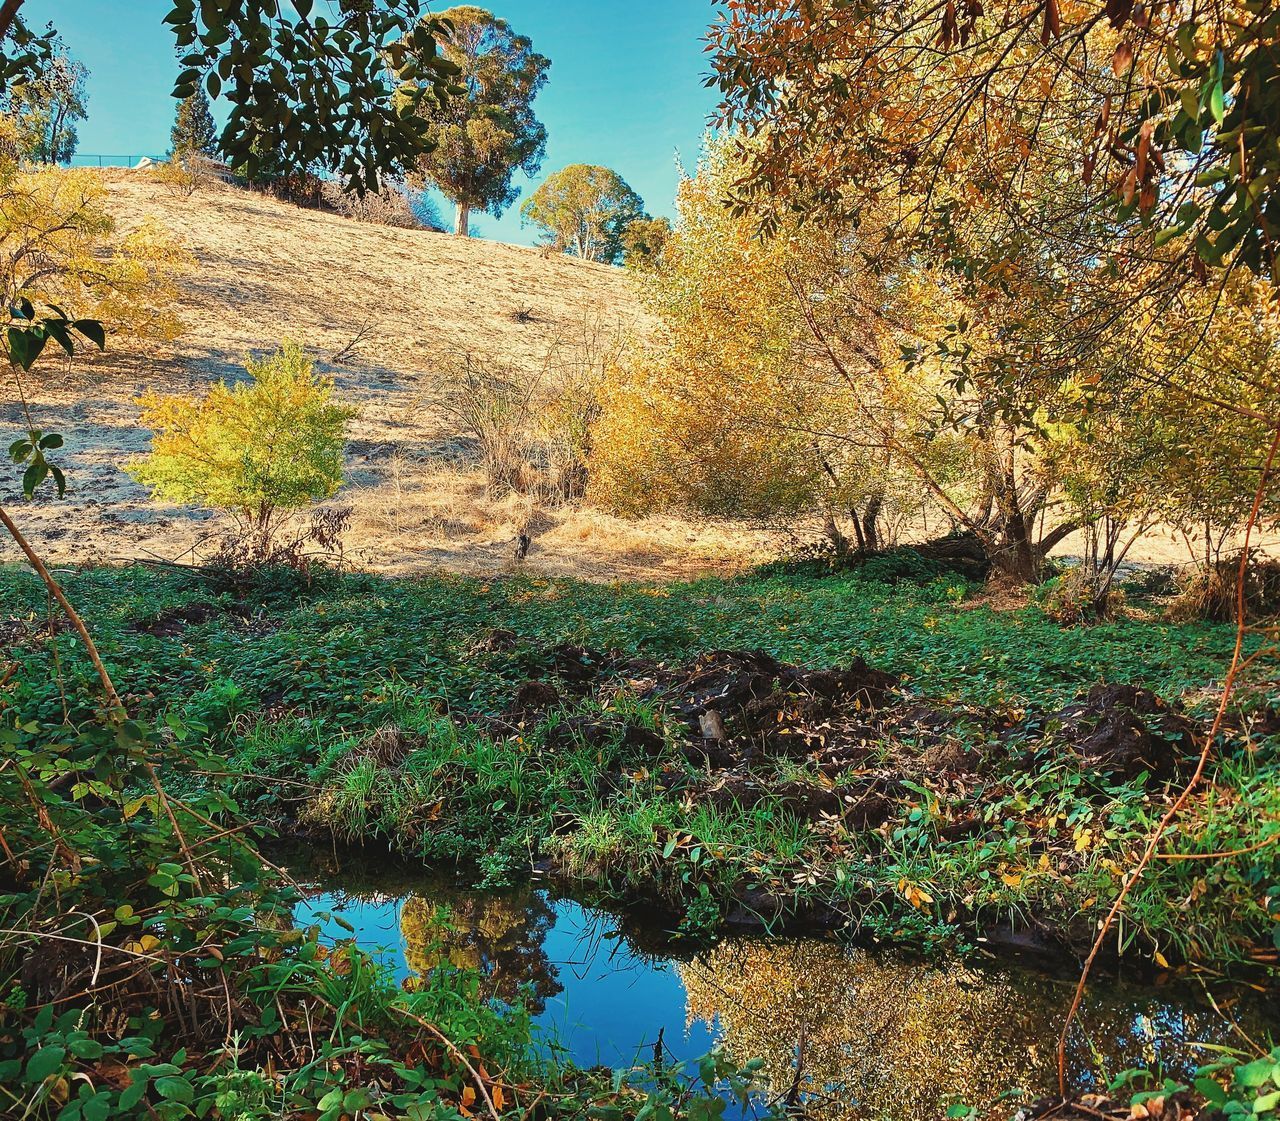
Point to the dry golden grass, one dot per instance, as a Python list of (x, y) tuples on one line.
[(268, 271)]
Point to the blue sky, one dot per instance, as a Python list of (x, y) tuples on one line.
[(625, 85)]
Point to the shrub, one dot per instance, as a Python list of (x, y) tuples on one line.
[(388, 206), (1209, 591), (534, 428), (186, 173), (1075, 598), (257, 450)]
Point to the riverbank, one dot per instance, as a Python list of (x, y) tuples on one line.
[(880, 755)]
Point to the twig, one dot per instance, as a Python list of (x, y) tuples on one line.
[(347, 349), (1218, 855), (457, 1054), (116, 706), (1157, 835)]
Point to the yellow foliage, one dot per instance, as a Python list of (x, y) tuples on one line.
[(60, 246), (731, 414)]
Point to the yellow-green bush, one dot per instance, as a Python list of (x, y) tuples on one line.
[(257, 449)]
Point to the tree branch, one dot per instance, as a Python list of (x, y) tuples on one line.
[(8, 13)]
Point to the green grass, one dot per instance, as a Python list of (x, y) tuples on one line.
[(342, 647), (290, 682)]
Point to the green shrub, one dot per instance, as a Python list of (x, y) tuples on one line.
[(257, 449)]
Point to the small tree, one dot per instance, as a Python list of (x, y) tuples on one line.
[(258, 449), (194, 133), (45, 105), (484, 134), (585, 210)]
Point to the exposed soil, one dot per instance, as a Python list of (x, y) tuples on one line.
[(1124, 730), (735, 713)]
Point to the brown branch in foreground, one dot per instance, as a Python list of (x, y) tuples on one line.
[(115, 707), (457, 1054), (1228, 685), (114, 704)]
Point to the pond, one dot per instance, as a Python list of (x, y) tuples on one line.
[(878, 1034)]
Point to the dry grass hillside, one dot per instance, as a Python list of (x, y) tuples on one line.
[(268, 271)]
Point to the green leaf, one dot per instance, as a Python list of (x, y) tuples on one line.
[(85, 1048), (92, 330), (33, 476), (1267, 1102), (1211, 1091), (175, 1089), (45, 1062), (131, 1095), (1256, 1073), (98, 1107)]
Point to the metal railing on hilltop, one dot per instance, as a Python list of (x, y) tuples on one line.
[(93, 159)]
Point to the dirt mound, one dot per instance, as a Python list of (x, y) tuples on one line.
[(747, 702), (172, 621), (534, 697), (577, 666), (1124, 730), (600, 732), (493, 640)]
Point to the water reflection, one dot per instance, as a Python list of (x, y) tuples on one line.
[(499, 936), (873, 1035), (882, 1036)]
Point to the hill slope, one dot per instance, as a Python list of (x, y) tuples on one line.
[(268, 271)]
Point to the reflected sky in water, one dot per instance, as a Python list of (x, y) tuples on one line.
[(881, 1035), (594, 994)]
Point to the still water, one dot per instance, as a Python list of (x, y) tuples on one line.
[(881, 1035)]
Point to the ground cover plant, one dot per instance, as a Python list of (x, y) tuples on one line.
[(979, 770), (1015, 296), (150, 965)]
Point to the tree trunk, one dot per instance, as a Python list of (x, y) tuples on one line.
[(838, 540), (462, 221), (1010, 548), (870, 524)]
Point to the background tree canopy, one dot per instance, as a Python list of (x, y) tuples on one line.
[(480, 137), (585, 209), (194, 132), (46, 102)]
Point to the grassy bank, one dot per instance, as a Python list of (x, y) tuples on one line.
[(966, 794)]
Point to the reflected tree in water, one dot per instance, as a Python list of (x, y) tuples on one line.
[(499, 936), (885, 1036)]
